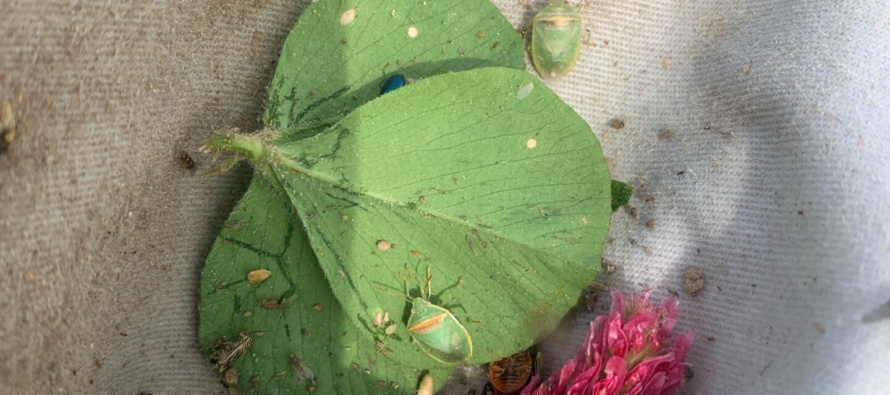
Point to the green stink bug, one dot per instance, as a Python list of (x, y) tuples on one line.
[(438, 333), (556, 39)]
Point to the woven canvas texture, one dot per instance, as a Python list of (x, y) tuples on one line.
[(756, 134)]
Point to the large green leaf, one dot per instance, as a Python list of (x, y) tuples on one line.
[(328, 68), (484, 176), (318, 79), (264, 233)]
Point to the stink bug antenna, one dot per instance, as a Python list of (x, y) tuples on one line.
[(429, 282), (390, 293)]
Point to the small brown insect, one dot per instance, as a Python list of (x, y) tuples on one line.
[(616, 124), (318, 307), (185, 160), (650, 224), (301, 371), (508, 375), (228, 352), (666, 134), (416, 253), (382, 348), (273, 304)]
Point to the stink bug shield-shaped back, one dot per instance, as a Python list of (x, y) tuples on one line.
[(556, 39), (438, 333)]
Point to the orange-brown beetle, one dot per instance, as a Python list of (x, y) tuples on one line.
[(509, 375)]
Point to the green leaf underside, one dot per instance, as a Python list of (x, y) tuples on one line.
[(264, 233), (621, 194), (443, 168), (326, 69), (318, 80)]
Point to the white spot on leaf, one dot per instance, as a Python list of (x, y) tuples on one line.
[(525, 90), (347, 17), (531, 143), (412, 32)]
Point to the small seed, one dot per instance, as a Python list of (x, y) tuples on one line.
[(426, 386), (231, 377), (693, 280), (347, 17), (258, 276), (384, 245)]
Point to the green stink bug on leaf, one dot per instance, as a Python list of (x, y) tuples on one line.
[(556, 39), (438, 333)]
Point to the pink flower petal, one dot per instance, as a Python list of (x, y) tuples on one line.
[(628, 352)]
